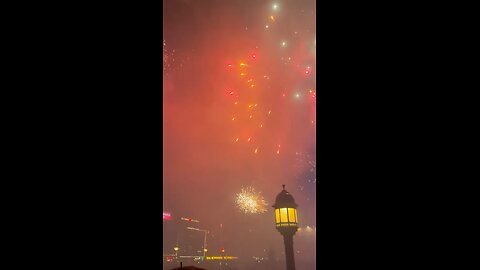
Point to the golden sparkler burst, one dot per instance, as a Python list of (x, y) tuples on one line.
[(250, 201)]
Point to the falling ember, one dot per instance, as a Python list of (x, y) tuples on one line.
[(252, 85), (242, 74), (248, 139), (278, 151), (269, 112), (256, 150), (251, 116), (272, 18), (261, 125), (250, 201), (236, 140), (233, 118)]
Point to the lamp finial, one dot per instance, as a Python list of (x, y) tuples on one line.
[(283, 187)]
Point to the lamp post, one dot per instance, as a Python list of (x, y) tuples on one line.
[(204, 239), (176, 252), (223, 258), (286, 222)]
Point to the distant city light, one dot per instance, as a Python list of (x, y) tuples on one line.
[(189, 219)]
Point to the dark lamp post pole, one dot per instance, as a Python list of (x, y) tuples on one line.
[(286, 222)]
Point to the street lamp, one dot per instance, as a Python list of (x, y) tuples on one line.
[(176, 251), (204, 239), (286, 222), (223, 258)]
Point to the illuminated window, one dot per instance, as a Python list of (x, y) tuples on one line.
[(277, 215), (283, 215), (291, 215)]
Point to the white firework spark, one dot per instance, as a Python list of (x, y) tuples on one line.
[(251, 202)]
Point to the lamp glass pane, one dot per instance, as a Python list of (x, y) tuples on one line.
[(277, 215), (291, 215), (283, 215)]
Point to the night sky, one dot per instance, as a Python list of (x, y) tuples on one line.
[(239, 107)]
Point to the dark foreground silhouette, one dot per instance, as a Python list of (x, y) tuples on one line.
[(189, 268)]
